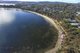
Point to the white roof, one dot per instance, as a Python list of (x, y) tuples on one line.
[(75, 24), (78, 26), (78, 12), (71, 20)]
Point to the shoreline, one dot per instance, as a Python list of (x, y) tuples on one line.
[(48, 19), (60, 34)]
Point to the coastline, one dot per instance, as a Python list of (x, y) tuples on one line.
[(60, 32), (48, 19)]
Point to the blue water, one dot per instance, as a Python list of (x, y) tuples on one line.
[(17, 28)]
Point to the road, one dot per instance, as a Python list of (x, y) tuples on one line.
[(60, 30)]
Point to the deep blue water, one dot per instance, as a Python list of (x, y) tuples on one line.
[(17, 28)]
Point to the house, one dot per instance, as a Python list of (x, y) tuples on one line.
[(72, 20), (79, 26), (75, 24), (78, 13)]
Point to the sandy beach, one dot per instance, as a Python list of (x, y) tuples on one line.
[(48, 19), (60, 36)]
